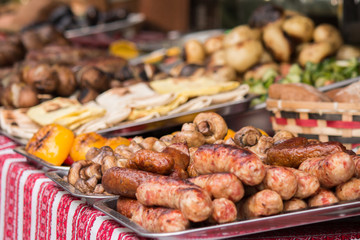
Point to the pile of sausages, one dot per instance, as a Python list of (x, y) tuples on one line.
[(169, 188)]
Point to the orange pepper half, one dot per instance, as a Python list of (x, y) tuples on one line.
[(51, 143), (83, 142), (116, 141)]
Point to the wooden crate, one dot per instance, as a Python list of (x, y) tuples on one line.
[(325, 121)]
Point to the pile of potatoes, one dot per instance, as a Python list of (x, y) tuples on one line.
[(273, 36)]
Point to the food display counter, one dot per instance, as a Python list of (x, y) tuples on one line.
[(243, 133), (34, 207)]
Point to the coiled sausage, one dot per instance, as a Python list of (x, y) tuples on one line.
[(152, 219), (194, 202), (226, 158)]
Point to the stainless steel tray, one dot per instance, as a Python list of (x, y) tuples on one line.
[(57, 177), (241, 228), (122, 25), (132, 128), (38, 162)]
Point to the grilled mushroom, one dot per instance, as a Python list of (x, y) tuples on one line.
[(211, 125), (247, 136)]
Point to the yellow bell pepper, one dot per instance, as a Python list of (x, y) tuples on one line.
[(51, 143)]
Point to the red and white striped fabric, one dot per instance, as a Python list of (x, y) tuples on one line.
[(34, 207)]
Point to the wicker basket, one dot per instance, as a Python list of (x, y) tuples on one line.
[(326, 121)]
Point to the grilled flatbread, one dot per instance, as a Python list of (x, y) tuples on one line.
[(17, 123), (192, 87)]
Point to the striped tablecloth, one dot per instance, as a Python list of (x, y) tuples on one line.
[(34, 207)]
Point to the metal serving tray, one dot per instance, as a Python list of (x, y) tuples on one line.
[(38, 162), (122, 25), (57, 177), (134, 127), (240, 228)]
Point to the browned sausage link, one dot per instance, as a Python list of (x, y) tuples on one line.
[(294, 204), (225, 158), (322, 198), (153, 219), (151, 161), (263, 203), (349, 190), (281, 180), (330, 170), (307, 184), (191, 170), (294, 151), (356, 159), (124, 181), (220, 185), (194, 202), (224, 211), (181, 159)]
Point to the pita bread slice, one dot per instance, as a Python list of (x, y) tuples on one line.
[(153, 101), (17, 123), (47, 112), (237, 94), (193, 104), (83, 115), (192, 87), (108, 120), (161, 110)]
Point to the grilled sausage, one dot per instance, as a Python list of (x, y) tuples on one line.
[(356, 159), (152, 161), (307, 184), (263, 203), (153, 219), (322, 198), (349, 190), (294, 204), (226, 158), (220, 185), (330, 170), (292, 152), (181, 156), (224, 211), (280, 180), (124, 181), (194, 202)]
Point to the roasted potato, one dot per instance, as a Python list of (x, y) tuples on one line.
[(347, 52), (244, 55), (275, 39), (299, 27), (328, 33), (194, 52), (241, 34), (315, 52)]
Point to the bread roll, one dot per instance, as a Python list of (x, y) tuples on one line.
[(349, 94), (297, 92)]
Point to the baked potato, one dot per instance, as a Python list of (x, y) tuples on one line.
[(244, 55), (328, 33), (299, 27), (241, 34), (315, 52), (276, 41)]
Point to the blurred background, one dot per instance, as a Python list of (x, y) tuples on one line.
[(164, 19)]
